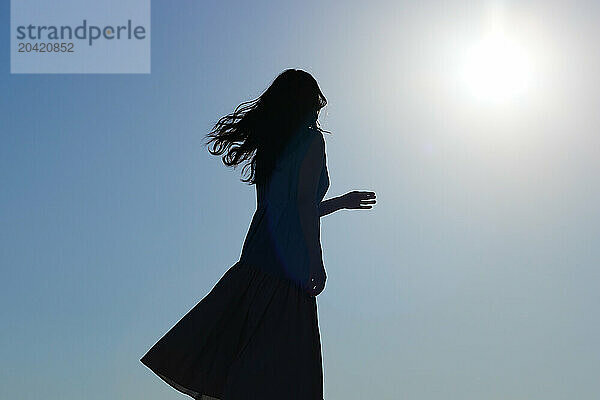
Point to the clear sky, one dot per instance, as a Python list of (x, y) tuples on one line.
[(474, 277)]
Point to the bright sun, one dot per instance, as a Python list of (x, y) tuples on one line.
[(497, 69)]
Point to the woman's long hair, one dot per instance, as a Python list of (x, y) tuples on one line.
[(257, 130)]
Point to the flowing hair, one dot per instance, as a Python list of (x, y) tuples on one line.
[(257, 130)]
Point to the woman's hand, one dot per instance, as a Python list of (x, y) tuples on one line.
[(357, 200), (316, 281)]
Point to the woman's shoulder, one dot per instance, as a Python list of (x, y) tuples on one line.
[(313, 150), (313, 137), (316, 141), (301, 140), (304, 141), (312, 132)]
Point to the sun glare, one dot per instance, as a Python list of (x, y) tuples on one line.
[(497, 68)]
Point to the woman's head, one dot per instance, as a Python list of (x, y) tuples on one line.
[(293, 98), (257, 130)]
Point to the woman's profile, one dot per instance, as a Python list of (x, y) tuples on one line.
[(255, 335)]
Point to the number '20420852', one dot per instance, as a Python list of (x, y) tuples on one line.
[(46, 47)]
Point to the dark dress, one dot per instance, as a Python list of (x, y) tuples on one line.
[(255, 335)]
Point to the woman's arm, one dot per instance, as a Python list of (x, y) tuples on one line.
[(308, 209), (355, 200), (330, 206)]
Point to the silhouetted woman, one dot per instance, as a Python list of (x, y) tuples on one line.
[(255, 335)]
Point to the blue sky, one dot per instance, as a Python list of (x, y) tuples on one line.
[(474, 277)]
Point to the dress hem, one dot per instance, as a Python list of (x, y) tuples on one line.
[(198, 389)]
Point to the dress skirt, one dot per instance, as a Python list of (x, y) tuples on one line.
[(253, 336)]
